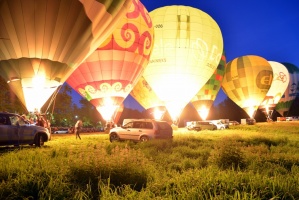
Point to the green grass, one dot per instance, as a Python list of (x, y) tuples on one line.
[(244, 162)]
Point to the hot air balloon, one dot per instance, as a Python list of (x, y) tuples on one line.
[(246, 82), (279, 84), (292, 91), (108, 75), (147, 98), (117, 114), (188, 47), (205, 97), (42, 42)]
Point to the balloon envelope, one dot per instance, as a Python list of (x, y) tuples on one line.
[(188, 47), (205, 97), (292, 91), (247, 80), (42, 42), (279, 84), (144, 95), (108, 75)]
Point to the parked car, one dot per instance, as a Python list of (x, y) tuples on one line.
[(233, 123), (61, 131), (202, 125), (141, 130), (250, 121), (219, 124), (15, 130)]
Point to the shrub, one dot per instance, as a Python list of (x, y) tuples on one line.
[(227, 154)]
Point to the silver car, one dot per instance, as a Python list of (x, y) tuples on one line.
[(15, 130), (142, 130)]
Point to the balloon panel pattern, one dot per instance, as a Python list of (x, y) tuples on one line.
[(247, 80), (291, 92), (47, 40), (207, 94), (109, 74), (188, 47), (279, 84), (144, 95)]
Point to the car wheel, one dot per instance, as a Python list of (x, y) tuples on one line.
[(39, 140), (113, 137), (144, 138)]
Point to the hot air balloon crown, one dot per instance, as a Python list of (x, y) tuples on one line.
[(133, 32)]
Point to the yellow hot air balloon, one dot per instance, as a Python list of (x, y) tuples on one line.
[(187, 49), (279, 85), (147, 98), (109, 74), (144, 95), (205, 97), (247, 80), (42, 42)]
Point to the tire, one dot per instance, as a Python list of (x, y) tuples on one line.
[(113, 137), (39, 140), (144, 139)]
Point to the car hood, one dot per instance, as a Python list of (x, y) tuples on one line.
[(116, 128)]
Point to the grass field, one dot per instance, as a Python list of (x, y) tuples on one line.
[(244, 162)]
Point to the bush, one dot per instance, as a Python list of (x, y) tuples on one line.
[(227, 154)]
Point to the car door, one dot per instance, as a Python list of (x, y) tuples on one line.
[(137, 130), (125, 132), (146, 129), (26, 132), (13, 130)]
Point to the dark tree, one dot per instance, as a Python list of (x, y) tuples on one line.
[(228, 110)]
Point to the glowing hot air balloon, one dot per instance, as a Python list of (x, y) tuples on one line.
[(204, 99), (279, 84), (147, 98), (42, 42), (117, 114), (291, 92), (108, 75), (246, 82), (188, 47)]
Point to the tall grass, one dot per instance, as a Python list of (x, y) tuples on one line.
[(244, 162)]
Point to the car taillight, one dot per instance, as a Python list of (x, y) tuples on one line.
[(156, 132)]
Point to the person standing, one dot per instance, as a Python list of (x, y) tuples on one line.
[(78, 127)]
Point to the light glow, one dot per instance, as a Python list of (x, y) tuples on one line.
[(108, 109), (251, 111), (158, 114), (37, 91), (174, 109), (203, 112)]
